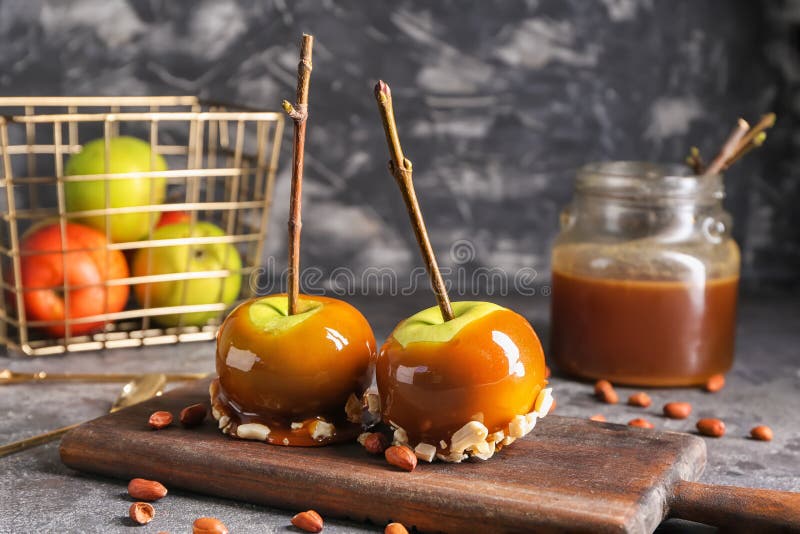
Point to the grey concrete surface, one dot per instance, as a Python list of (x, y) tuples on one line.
[(39, 494)]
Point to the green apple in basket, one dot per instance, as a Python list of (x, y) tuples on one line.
[(184, 258), (126, 155)]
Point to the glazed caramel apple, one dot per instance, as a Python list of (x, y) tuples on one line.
[(293, 379), (467, 386), (461, 379)]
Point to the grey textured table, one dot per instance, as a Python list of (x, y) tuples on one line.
[(39, 494)]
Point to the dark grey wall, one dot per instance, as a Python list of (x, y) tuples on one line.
[(497, 101)]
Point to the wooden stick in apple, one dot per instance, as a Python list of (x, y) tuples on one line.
[(400, 167), (299, 114)]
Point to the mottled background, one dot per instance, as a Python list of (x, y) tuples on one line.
[(498, 102)]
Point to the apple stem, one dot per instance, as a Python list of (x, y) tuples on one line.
[(299, 114), (741, 141), (401, 169)]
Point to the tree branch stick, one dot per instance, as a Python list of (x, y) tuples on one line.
[(401, 169), (741, 141), (767, 121), (743, 149), (729, 148), (299, 114)]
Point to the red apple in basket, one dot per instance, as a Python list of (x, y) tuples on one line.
[(84, 262), (172, 217)]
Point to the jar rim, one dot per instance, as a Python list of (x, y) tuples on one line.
[(648, 181)]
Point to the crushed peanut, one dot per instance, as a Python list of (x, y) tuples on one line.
[(425, 451), (320, 430), (468, 436), (373, 402), (353, 409), (483, 451), (530, 420), (453, 457), (400, 436), (223, 421), (254, 431), (544, 402), (473, 439), (508, 440), (497, 437), (517, 426)]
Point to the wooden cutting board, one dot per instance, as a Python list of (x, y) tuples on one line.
[(568, 474)]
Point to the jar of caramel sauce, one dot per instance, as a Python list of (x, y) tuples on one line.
[(645, 277)]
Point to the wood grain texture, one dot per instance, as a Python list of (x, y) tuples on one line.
[(568, 474)]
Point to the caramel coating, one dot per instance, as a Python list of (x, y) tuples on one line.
[(300, 374), (491, 371)]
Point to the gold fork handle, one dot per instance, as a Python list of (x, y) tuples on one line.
[(27, 443), (8, 376)]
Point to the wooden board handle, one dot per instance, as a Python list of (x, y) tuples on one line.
[(736, 509)]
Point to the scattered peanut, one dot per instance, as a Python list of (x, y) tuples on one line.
[(711, 427), (159, 420), (641, 399), (309, 521), (600, 385), (193, 415), (209, 525), (141, 513), (376, 443), (641, 423), (402, 457), (604, 391), (600, 418), (146, 490), (395, 528), (761, 433), (677, 410), (715, 383)]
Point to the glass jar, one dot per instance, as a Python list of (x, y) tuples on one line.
[(645, 277)]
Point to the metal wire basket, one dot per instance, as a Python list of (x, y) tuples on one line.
[(221, 169)]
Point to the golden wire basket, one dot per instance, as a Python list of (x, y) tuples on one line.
[(221, 164)]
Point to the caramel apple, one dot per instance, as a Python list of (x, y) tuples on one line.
[(293, 379), (293, 369), (484, 366), (459, 379)]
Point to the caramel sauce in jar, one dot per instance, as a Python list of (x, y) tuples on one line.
[(301, 375), (491, 371), (656, 333), (645, 277)]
